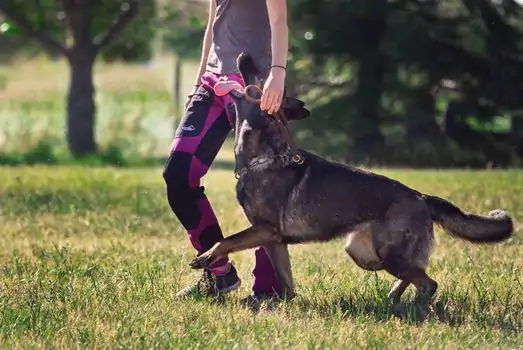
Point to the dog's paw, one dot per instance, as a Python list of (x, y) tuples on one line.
[(201, 261)]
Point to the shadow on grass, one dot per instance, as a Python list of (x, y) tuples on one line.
[(451, 309), (376, 307), (43, 154)]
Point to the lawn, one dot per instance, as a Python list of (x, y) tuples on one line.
[(92, 256)]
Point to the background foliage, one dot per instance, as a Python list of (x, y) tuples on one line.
[(405, 82)]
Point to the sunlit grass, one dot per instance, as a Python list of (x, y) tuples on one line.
[(92, 257)]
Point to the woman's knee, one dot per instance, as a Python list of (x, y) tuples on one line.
[(182, 197), (177, 169)]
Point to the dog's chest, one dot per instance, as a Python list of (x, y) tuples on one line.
[(261, 197)]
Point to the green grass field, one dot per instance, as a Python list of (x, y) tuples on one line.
[(91, 257)]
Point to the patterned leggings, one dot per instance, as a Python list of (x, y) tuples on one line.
[(198, 139)]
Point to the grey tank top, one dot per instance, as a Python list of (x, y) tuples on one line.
[(240, 26)]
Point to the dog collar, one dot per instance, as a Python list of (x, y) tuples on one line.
[(258, 162)]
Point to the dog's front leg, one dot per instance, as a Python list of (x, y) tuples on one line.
[(281, 262), (252, 237)]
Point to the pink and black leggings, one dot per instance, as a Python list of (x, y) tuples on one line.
[(199, 137)]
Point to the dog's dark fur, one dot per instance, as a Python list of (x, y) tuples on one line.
[(387, 225)]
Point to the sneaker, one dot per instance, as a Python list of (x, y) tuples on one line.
[(209, 285)]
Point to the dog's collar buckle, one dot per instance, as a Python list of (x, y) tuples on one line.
[(297, 158), (239, 173)]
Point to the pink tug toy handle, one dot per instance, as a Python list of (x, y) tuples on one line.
[(222, 88)]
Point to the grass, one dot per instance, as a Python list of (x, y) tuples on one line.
[(91, 257)]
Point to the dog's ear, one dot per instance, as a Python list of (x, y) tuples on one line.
[(294, 109), (248, 69)]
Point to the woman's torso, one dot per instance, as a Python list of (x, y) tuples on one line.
[(240, 26)]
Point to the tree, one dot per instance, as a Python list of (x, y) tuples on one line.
[(390, 55), (78, 30)]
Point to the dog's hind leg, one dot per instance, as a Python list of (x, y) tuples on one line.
[(363, 245), (404, 242), (279, 255), (397, 290), (425, 286), (361, 248), (252, 237)]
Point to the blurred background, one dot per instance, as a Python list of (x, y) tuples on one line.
[(400, 83)]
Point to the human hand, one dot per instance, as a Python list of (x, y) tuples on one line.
[(273, 91)]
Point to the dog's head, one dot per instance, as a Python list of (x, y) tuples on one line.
[(293, 108), (256, 133)]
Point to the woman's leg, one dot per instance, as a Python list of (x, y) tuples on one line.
[(198, 140), (265, 282)]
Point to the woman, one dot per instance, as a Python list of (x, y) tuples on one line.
[(258, 27)]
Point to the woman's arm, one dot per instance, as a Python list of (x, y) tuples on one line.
[(277, 10), (207, 41), (273, 89)]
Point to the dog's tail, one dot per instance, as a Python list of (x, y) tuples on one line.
[(497, 226)]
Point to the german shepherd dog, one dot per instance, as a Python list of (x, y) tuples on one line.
[(387, 225)]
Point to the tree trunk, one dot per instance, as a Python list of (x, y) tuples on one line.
[(422, 124), (81, 108), (516, 130), (369, 142)]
